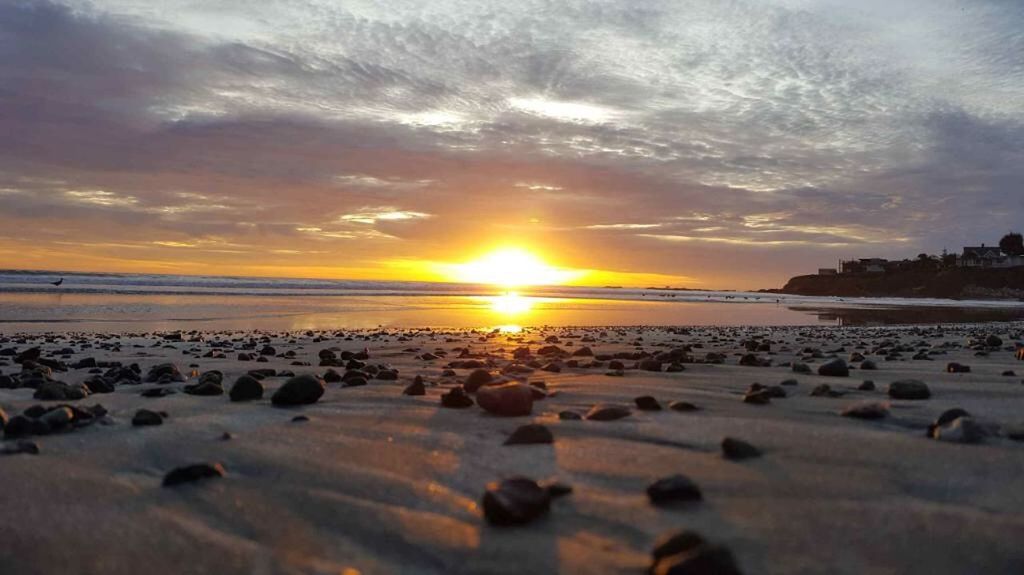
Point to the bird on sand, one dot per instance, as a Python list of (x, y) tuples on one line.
[(58, 282)]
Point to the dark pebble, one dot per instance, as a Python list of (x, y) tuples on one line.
[(515, 501), (530, 434), (672, 489), (191, 473)]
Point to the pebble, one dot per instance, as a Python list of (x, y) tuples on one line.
[(673, 488), (476, 379), (417, 387), (954, 367), (909, 389), (607, 412), (246, 388), (866, 385), (299, 390), (647, 403), (825, 390), (530, 434), (737, 449), (508, 400), (835, 368), (145, 417), (192, 473), (569, 416), (704, 559), (866, 410), (963, 429), (682, 406), (515, 501), (456, 398)]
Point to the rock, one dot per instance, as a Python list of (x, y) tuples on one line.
[(866, 410), (909, 389), (246, 388), (208, 387), (824, 390), (866, 385), (950, 415), (515, 501), (701, 560), (835, 368), (417, 387), (868, 364), (569, 416), (675, 543), (530, 434), (21, 425), (300, 419), (647, 403), (801, 368), (788, 382), (607, 412), (963, 429), (556, 489), (355, 381), (164, 372), (751, 360), (649, 365), (954, 367), (682, 406), (758, 397), (583, 352), (299, 390), (737, 449), (508, 400), (192, 473), (476, 379), (331, 376), (993, 341), (58, 417), (672, 489), (3, 419), (456, 398), (144, 417)]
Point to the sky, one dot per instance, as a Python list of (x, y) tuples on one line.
[(697, 143)]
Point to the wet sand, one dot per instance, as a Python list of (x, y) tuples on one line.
[(380, 482)]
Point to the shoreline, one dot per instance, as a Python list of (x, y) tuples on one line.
[(377, 481)]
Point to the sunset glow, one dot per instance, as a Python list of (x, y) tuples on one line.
[(511, 267)]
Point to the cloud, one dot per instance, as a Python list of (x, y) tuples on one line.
[(653, 137)]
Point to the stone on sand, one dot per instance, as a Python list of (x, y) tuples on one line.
[(299, 390), (515, 501), (192, 473), (674, 488), (607, 412), (909, 389), (246, 388), (507, 400), (530, 434)]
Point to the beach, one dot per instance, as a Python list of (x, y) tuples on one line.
[(368, 479)]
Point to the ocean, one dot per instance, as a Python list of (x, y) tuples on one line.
[(88, 302)]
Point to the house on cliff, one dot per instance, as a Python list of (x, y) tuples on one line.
[(988, 257)]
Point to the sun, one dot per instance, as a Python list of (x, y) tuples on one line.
[(511, 267)]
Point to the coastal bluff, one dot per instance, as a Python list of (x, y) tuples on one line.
[(952, 283)]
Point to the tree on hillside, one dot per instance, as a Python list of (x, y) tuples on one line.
[(1012, 244)]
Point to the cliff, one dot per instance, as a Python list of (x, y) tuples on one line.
[(954, 283)]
